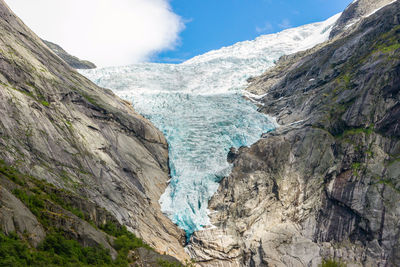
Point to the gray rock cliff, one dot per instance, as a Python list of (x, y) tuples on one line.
[(58, 126), (326, 183), (355, 12), (73, 61), (15, 216)]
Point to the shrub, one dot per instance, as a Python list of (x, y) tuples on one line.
[(55, 250), (124, 238), (332, 263), (32, 201)]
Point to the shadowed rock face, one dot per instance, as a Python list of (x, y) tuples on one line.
[(73, 61), (326, 184), (57, 125)]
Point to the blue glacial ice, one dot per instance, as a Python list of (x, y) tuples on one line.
[(199, 106)]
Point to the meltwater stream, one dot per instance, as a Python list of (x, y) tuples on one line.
[(199, 106)]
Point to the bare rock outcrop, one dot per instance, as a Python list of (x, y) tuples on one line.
[(15, 217), (326, 183), (355, 12), (73, 61)]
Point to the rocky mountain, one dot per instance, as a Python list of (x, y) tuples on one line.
[(199, 106), (355, 12), (325, 184), (73, 61), (74, 157), (80, 169)]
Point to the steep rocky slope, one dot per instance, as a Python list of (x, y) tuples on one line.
[(45, 225), (326, 183), (57, 126), (355, 12), (73, 61)]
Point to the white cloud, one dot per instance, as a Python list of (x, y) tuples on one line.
[(285, 24), (107, 32), (266, 28)]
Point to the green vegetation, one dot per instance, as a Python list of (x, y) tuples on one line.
[(389, 183), (393, 161), (39, 96), (390, 48), (90, 99), (332, 263), (69, 125), (346, 78), (25, 92), (45, 103), (356, 167), (164, 263), (387, 42), (55, 250), (355, 136), (42, 199), (336, 110), (344, 82), (56, 244), (39, 195), (11, 173), (369, 153), (125, 241), (32, 201), (356, 131), (384, 45)]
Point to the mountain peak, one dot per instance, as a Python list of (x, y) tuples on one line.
[(73, 61), (356, 11)]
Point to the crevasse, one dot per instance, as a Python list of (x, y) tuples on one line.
[(199, 106)]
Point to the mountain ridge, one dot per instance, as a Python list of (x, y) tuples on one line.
[(324, 185), (73, 61), (58, 126), (355, 12)]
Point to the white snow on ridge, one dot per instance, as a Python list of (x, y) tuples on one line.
[(199, 106), (363, 10), (376, 10), (293, 40), (217, 71)]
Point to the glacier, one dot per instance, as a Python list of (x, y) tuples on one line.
[(200, 107)]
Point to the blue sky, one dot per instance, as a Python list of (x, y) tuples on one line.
[(123, 32), (211, 24)]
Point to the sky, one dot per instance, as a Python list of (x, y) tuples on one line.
[(212, 24), (122, 32)]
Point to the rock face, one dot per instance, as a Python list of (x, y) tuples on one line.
[(356, 11), (326, 184), (15, 217), (58, 126), (73, 61)]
